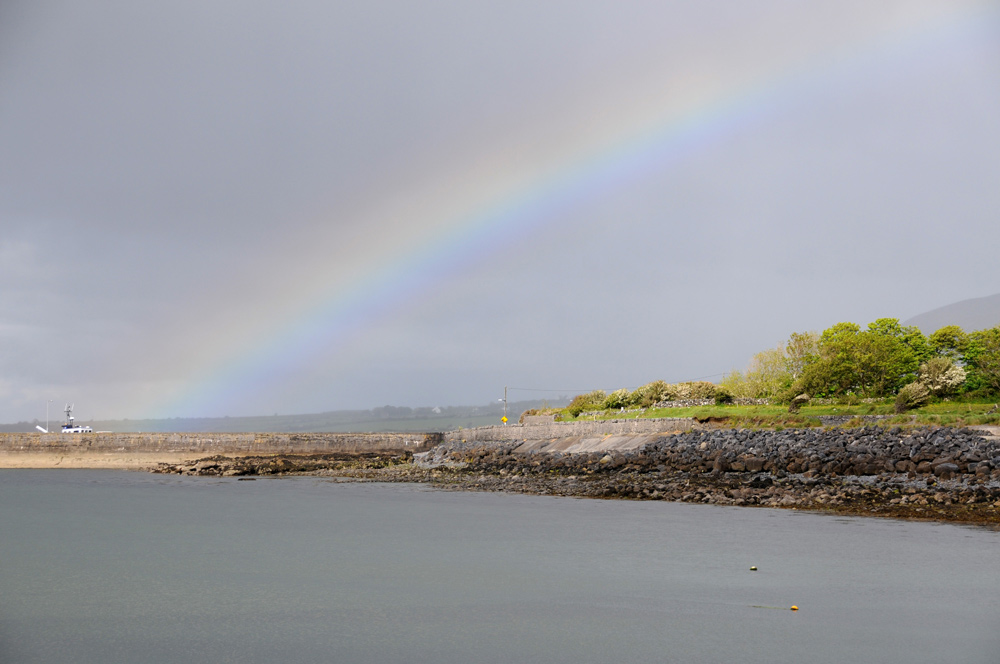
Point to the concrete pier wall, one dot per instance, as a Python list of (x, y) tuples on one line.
[(140, 450)]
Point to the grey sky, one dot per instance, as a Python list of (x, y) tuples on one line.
[(182, 183)]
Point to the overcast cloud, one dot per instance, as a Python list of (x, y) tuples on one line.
[(550, 195)]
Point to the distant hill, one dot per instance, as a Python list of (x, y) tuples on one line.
[(385, 418), (976, 314)]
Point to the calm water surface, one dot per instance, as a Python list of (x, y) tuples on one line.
[(100, 566)]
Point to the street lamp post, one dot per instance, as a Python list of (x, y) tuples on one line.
[(47, 415)]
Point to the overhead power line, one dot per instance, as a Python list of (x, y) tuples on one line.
[(589, 389), (538, 389)]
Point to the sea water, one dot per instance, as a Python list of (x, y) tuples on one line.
[(104, 567)]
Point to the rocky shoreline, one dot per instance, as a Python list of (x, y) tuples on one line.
[(935, 474)]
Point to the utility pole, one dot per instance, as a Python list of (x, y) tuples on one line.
[(47, 415), (504, 420)]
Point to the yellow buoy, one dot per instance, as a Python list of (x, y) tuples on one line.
[(753, 568), (795, 608)]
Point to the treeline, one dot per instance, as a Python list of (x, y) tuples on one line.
[(886, 359)]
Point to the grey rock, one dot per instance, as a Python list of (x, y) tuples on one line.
[(945, 469)]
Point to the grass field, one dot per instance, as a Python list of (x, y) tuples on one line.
[(945, 413)]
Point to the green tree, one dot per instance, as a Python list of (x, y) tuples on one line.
[(982, 359), (917, 342), (888, 356), (801, 349), (875, 362), (767, 375), (836, 371), (819, 378), (910, 335), (950, 342), (736, 384)]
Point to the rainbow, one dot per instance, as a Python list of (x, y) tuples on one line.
[(333, 313)]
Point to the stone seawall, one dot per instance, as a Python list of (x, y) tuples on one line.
[(566, 430), (940, 452), (924, 473), (143, 450)]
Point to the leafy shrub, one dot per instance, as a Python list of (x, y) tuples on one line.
[(589, 401), (941, 376), (555, 412), (617, 399), (649, 394), (697, 389), (912, 396), (722, 397), (527, 413), (789, 393)]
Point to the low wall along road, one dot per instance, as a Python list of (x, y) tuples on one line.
[(576, 437)]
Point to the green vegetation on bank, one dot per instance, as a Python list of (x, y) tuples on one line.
[(846, 361), (948, 378), (951, 413)]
